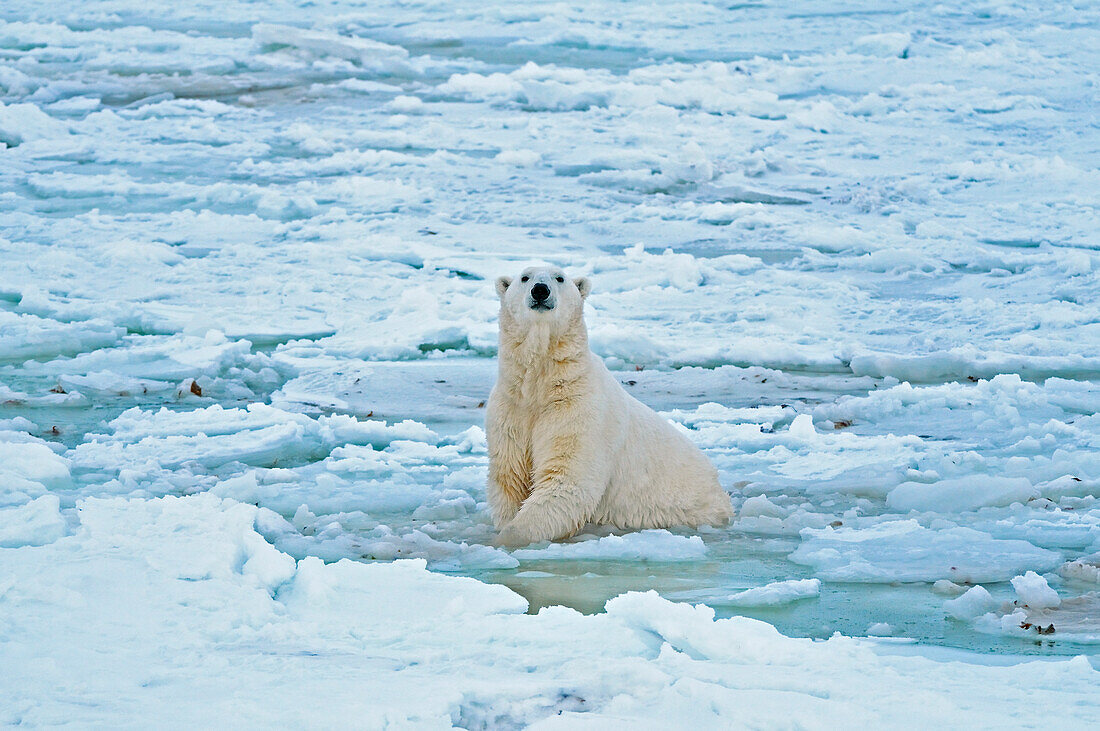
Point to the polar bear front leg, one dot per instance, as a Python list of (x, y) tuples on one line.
[(509, 466), (565, 491), (509, 481)]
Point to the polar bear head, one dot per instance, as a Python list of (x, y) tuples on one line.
[(542, 296)]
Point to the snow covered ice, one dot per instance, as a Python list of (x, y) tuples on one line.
[(247, 329)]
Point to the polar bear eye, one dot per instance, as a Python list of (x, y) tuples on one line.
[(524, 278), (560, 279)]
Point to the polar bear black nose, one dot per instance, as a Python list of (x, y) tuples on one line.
[(540, 292)]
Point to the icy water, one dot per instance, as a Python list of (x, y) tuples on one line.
[(249, 251)]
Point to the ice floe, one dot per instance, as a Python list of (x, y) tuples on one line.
[(903, 550), (247, 330)]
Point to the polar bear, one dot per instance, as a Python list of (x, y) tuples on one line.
[(567, 444)]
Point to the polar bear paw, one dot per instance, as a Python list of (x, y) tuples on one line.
[(511, 536)]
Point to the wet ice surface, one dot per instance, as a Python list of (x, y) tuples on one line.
[(248, 251)]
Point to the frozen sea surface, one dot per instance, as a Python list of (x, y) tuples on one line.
[(247, 329)]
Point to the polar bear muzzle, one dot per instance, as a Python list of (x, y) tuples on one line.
[(540, 297)]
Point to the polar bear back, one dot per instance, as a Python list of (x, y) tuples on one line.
[(657, 476)]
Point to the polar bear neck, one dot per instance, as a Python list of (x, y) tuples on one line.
[(530, 354)]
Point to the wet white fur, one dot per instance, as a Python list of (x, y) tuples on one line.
[(568, 445)]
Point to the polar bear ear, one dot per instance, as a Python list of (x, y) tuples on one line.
[(502, 285), (583, 285)]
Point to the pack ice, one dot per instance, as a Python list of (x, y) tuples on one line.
[(247, 330)]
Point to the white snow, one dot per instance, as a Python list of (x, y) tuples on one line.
[(759, 505), (190, 602), (33, 524), (247, 329), (904, 550), (646, 545), (1033, 591), (24, 336), (975, 602), (1086, 568), (21, 123), (960, 494), (29, 468), (880, 629), (776, 593), (948, 588)]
